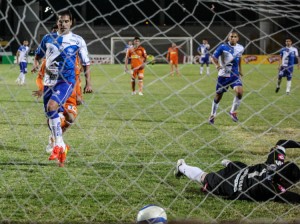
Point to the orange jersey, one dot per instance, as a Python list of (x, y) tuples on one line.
[(173, 55), (138, 56)]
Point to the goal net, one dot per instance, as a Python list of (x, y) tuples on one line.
[(156, 46), (124, 147)]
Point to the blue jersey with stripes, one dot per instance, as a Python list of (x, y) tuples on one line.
[(229, 58), (288, 56), (60, 52)]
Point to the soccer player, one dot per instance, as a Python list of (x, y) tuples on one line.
[(21, 56), (288, 56), (60, 50), (138, 57), (203, 50), (261, 182), (128, 46), (172, 57), (68, 112), (227, 59)]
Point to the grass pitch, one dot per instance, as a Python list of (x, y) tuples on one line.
[(124, 148)]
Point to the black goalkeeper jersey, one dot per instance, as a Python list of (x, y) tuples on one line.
[(238, 180)]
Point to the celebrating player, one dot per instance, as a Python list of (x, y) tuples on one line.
[(172, 57), (261, 182), (138, 57), (203, 50), (288, 56), (21, 56), (60, 50), (227, 59)]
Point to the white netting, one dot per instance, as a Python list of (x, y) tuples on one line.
[(124, 148)]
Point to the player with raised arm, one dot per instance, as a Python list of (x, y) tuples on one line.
[(172, 57), (21, 56), (60, 50), (138, 57), (203, 51), (227, 59), (270, 180), (288, 56)]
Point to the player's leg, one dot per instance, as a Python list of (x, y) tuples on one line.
[(56, 100), (221, 87), (280, 75), (70, 114), (288, 82), (171, 68), (207, 67), (176, 69), (19, 79), (238, 88), (141, 82), (133, 77), (201, 68), (191, 172), (24, 72)]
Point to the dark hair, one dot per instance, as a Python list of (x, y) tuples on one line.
[(288, 38), (65, 13), (136, 38), (54, 27)]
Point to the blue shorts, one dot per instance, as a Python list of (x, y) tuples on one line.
[(23, 67), (285, 72), (224, 83), (204, 60), (59, 93)]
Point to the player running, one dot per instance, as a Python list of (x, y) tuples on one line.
[(137, 54), (60, 50), (172, 57), (288, 56), (261, 182), (227, 59)]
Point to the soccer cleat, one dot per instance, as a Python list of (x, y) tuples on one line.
[(225, 162), (287, 93), (177, 172), (277, 89), (63, 155), (233, 116), (133, 93), (55, 152), (211, 119), (141, 94)]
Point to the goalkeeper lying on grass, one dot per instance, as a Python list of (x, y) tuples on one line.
[(261, 182)]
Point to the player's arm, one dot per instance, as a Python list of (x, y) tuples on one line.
[(87, 74), (168, 55), (240, 66), (39, 81), (126, 60), (199, 51), (17, 56), (288, 197)]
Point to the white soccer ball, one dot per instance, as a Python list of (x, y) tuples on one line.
[(151, 214)]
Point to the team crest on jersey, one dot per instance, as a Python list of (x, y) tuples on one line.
[(70, 51)]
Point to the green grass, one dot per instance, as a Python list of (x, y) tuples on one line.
[(124, 148)]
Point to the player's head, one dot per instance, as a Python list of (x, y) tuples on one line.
[(288, 42), (25, 43), (174, 45), (54, 28), (136, 41), (287, 175), (64, 21), (129, 42), (233, 37), (276, 155), (204, 41)]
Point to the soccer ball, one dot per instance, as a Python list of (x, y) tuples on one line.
[(150, 59), (151, 214)]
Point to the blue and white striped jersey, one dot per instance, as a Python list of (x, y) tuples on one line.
[(288, 56), (23, 53), (60, 52)]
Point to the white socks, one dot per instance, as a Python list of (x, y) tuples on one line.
[(56, 131), (288, 86), (192, 172), (214, 108), (235, 104)]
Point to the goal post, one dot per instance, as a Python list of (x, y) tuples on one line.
[(156, 46)]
